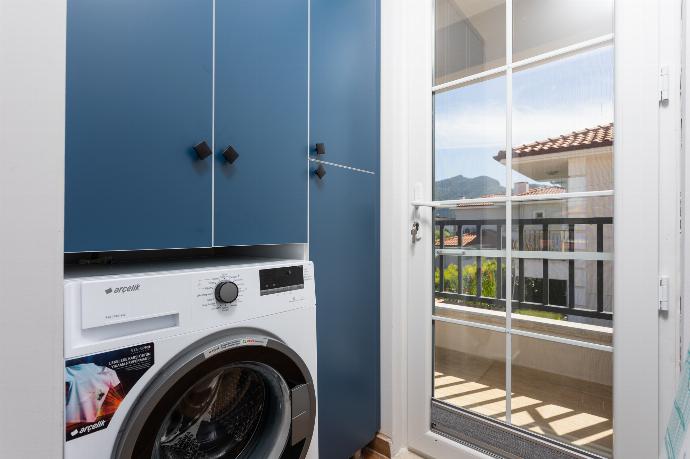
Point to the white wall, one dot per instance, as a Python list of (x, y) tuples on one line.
[(560, 23), (32, 81), (669, 186), (394, 221), (637, 121)]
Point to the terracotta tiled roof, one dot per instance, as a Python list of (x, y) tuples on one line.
[(531, 192), (467, 238), (452, 241), (599, 136), (543, 190), (482, 204)]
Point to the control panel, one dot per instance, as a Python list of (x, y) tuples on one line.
[(224, 290), (278, 280), (184, 300), (227, 292)]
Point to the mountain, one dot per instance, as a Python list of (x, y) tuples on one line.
[(459, 187)]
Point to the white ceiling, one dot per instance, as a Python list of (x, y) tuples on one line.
[(470, 8)]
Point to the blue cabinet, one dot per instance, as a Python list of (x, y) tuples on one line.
[(139, 97), (345, 250), (143, 89), (261, 112), (343, 216), (345, 82)]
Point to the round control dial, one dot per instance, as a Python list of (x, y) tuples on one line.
[(227, 292)]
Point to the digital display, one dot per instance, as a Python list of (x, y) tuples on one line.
[(277, 280)]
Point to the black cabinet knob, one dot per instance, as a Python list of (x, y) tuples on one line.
[(230, 154), (203, 151), (320, 149), (320, 171)]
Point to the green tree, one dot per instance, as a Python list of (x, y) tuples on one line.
[(489, 273), (450, 278), (469, 279)]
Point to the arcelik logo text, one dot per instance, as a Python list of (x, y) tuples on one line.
[(124, 289), (87, 429)]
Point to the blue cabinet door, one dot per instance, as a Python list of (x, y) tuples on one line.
[(261, 89), (345, 81), (345, 250), (139, 97)]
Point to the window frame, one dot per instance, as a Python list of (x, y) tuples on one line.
[(636, 341)]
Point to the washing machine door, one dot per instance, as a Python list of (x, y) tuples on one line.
[(239, 395)]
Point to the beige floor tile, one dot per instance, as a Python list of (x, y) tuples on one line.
[(568, 409), (406, 455)]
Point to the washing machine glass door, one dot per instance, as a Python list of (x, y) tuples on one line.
[(235, 412), (235, 394)]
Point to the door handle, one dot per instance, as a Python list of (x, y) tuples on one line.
[(202, 149), (230, 154)]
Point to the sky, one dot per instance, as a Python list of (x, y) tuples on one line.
[(550, 99)]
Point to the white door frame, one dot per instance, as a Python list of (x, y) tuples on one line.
[(406, 67), (32, 129), (394, 217)]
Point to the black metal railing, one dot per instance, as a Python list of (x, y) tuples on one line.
[(488, 235)]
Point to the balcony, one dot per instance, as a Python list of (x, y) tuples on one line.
[(561, 324), (573, 409), (538, 241)]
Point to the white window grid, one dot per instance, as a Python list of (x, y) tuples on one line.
[(509, 253)]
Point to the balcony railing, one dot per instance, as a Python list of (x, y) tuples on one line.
[(531, 239)]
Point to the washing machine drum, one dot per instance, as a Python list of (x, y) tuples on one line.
[(228, 397)]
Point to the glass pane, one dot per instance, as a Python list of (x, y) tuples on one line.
[(470, 37), (540, 26), (220, 414), (564, 392), (470, 263), (469, 368), (563, 125), (469, 131), (563, 275), (561, 280)]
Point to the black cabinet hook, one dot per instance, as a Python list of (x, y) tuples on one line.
[(320, 171), (230, 154), (202, 149)]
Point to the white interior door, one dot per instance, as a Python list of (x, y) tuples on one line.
[(533, 318)]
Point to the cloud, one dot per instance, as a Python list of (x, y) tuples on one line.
[(552, 99), (530, 125), (483, 127), (479, 127)]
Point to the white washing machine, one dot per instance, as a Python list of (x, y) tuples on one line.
[(197, 360)]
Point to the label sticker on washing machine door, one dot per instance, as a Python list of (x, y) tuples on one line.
[(233, 344), (96, 385)]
